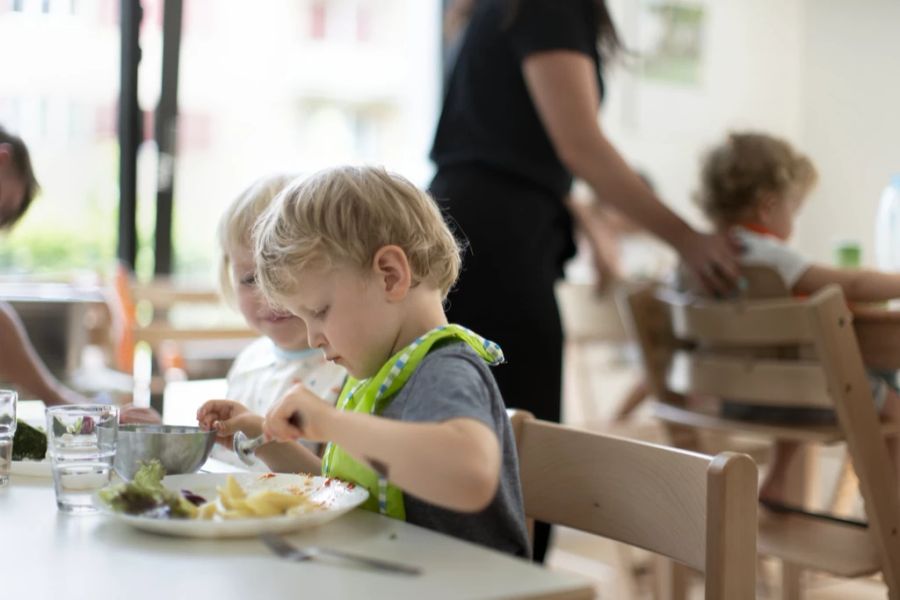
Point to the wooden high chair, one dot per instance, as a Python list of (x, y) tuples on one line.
[(590, 319), (695, 509), (784, 352)]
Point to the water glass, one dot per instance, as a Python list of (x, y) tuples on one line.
[(81, 443), (847, 254), (7, 432)]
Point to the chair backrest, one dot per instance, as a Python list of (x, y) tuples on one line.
[(695, 509), (692, 346), (588, 315), (158, 299), (761, 282)]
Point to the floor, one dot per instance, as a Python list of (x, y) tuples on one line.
[(590, 402)]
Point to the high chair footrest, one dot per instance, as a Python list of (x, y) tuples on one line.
[(819, 544)]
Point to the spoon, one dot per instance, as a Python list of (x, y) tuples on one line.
[(245, 447)]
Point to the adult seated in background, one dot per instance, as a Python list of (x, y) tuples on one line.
[(20, 364), (18, 185)]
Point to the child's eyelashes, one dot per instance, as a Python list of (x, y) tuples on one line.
[(320, 314), (249, 280)]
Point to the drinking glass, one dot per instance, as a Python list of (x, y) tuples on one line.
[(847, 254), (81, 442), (7, 432)]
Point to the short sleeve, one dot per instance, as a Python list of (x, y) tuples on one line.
[(539, 25), (453, 387), (763, 250)]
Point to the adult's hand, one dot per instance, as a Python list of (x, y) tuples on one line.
[(713, 258)]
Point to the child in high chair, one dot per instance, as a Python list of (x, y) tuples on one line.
[(754, 185), (282, 357), (365, 258)]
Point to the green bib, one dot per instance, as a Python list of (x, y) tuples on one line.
[(373, 395)]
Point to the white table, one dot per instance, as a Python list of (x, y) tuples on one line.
[(48, 554)]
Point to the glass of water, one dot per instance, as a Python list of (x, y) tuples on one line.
[(81, 442), (7, 432)]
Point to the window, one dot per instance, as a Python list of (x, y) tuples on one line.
[(60, 87), (282, 86)]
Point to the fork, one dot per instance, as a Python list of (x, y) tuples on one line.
[(245, 446), (285, 549)]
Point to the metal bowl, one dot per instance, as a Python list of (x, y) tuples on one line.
[(179, 449)]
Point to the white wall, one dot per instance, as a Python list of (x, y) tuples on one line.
[(850, 117), (749, 79), (825, 74)]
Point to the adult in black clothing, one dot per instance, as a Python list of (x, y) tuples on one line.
[(519, 119)]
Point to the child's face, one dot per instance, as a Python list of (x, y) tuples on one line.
[(349, 317), (283, 328), (780, 212)]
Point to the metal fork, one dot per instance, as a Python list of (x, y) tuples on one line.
[(285, 549)]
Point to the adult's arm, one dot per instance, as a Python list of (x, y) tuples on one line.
[(603, 239), (563, 87)]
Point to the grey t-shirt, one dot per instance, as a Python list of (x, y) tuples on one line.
[(453, 382)]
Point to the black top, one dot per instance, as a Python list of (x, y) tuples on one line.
[(488, 116)]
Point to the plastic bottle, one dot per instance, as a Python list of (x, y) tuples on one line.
[(887, 228)]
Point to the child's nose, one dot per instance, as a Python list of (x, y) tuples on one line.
[(316, 339)]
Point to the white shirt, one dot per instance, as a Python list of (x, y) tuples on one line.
[(262, 373), (767, 250)]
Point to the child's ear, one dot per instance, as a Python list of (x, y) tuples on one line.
[(392, 269), (766, 204), (769, 200)]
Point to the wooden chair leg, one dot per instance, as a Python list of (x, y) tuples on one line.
[(845, 489), (680, 436), (626, 584), (670, 580), (577, 383), (790, 581), (583, 377), (633, 399), (803, 478), (767, 577)]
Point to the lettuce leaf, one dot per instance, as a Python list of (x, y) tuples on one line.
[(146, 495)]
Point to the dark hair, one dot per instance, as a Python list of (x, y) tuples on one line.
[(21, 163), (737, 172), (609, 44)]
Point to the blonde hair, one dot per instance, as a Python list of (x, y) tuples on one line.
[(736, 174), (236, 224), (344, 216)]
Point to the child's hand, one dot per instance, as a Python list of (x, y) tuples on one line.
[(300, 413), (227, 417)]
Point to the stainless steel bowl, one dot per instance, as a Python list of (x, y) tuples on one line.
[(179, 449)]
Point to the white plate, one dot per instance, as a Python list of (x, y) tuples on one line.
[(336, 496), (31, 468)]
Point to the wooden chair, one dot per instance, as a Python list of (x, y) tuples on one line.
[(780, 352), (695, 509), (167, 338), (590, 318)]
